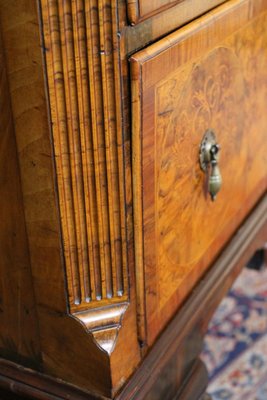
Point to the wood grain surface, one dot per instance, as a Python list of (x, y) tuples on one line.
[(204, 76), (19, 334), (66, 342)]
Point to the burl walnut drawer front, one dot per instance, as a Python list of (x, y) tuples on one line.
[(211, 74)]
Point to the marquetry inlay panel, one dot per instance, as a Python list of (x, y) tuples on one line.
[(213, 78), (82, 85)]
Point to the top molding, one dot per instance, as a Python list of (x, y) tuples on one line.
[(142, 9)]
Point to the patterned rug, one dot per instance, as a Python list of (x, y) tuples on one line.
[(235, 349)]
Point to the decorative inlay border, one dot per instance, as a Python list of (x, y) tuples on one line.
[(84, 93)]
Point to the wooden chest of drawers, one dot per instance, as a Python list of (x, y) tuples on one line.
[(114, 255)]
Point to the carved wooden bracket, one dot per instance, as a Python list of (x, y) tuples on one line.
[(104, 324)]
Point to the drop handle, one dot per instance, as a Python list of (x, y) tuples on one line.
[(209, 157)]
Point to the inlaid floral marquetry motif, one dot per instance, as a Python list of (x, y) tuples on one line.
[(197, 80), (208, 93), (222, 92), (212, 96)]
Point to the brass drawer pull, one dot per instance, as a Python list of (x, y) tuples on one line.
[(208, 158)]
